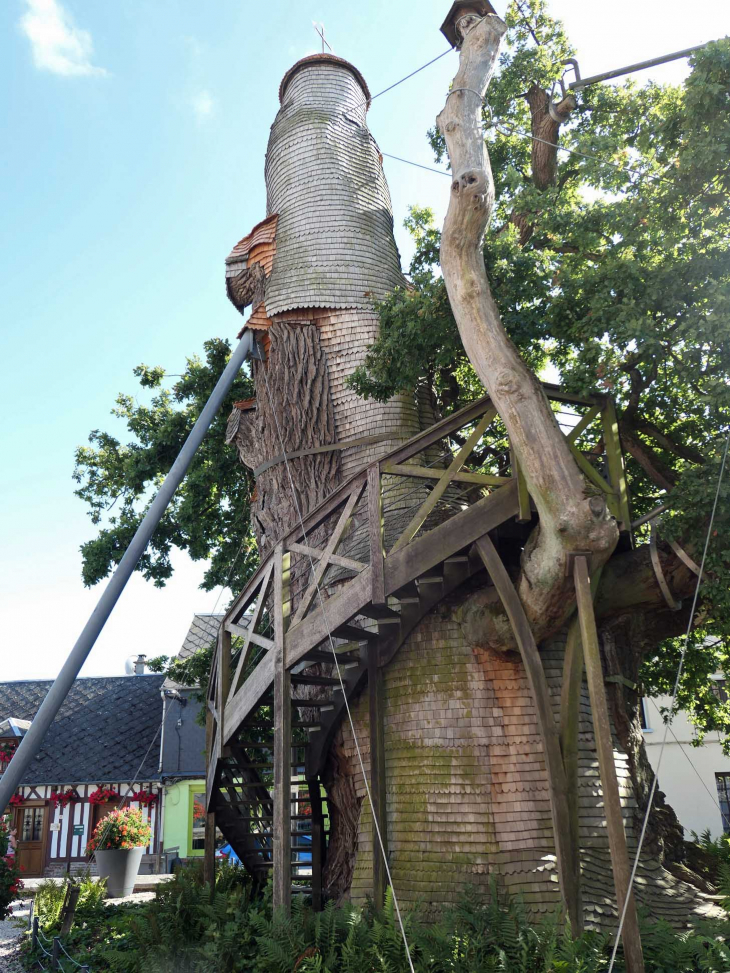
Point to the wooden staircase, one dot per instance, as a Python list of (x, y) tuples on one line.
[(353, 581)]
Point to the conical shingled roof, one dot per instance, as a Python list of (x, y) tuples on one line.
[(324, 178)]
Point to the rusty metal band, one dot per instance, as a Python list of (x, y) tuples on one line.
[(363, 441), (671, 601), (685, 558)]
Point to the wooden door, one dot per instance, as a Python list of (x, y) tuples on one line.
[(99, 812), (31, 825)]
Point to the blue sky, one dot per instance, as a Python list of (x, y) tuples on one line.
[(131, 159)]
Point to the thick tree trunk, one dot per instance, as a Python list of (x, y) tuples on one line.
[(570, 520), (293, 411)]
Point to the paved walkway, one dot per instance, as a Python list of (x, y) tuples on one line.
[(10, 937), (143, 883)]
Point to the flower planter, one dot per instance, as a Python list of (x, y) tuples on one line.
[(119, 866)]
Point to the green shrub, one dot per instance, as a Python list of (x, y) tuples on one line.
[(187, 929)]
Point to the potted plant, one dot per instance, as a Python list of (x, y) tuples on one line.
[(118, 843)]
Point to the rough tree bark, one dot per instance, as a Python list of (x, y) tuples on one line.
[(570, 520), (295, 384)]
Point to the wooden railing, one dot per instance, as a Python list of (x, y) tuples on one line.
[(377, 532)]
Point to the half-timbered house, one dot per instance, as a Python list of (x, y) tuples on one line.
[(103, 748)]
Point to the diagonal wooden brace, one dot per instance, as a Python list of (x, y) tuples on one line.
[(609, 782), (566, 853)]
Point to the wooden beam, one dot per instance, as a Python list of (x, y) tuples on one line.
[(209, 852), (546, 723), (336, 536), (614, 455), (375, 534), (444, 480), (570, 696), (590, 471), (247, 633), (607, 766), (430, 473), (223, 646), (524, 515), (582, 424), (377, 774), (440, 430), (249, 694), (254, 637), (282, 741), (342, 562)]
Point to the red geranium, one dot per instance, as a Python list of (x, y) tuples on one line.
[(63, 798), (102, 795), (16, 799), (145, 798)]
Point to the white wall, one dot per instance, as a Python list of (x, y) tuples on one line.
[(696, 809)]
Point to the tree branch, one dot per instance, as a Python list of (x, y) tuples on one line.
[(569, 520)]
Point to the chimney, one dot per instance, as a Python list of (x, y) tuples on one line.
[(139, 665)]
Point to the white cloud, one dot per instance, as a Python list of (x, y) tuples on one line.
[(202, 104), (57, 44)]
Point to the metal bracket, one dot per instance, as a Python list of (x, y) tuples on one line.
[(257, 353), (552, 104)]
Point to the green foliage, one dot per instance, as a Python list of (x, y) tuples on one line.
[(620, 283), (209, 515), (185, 929), (614, 277), (50, 895)]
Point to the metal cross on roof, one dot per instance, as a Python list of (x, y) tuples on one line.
[(320, 30)]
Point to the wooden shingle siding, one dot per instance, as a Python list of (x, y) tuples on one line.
[(324, 179), (467, 790)]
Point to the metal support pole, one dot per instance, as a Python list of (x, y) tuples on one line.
[(56, 954), (630, 68), (34, 935), (33, 739)]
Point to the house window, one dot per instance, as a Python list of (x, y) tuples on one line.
[(723, 794), (642, 715), (31, 827), (719, 689), (197, 838)]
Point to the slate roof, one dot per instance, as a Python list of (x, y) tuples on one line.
[(202, 632), (101, 734)]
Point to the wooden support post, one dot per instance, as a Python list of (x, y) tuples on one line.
[(609, 782), (69, 908), (318, 841), (56, 954), (525, 513), (547, 725), (209, 834), (377, 774), (375, 529), (223, 686), (569, 727), (209, 850), (616, 472), (282, 738)]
